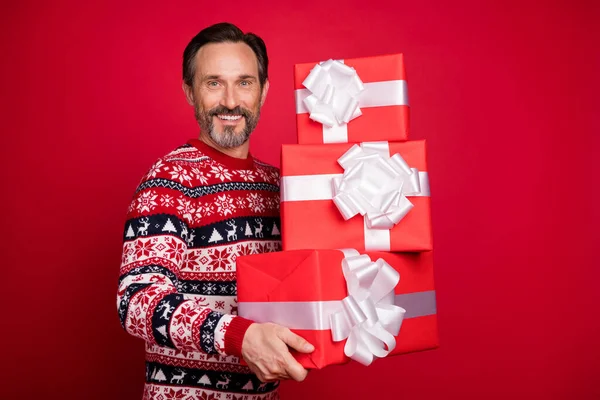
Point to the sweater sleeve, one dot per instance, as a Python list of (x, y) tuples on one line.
[(149, 302)]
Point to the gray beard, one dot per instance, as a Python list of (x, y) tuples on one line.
[(228, 139)]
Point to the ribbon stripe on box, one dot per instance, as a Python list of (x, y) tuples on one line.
[(373, 185), (333, 94), (314, 315)]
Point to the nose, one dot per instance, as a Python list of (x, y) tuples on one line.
[(230, 98)]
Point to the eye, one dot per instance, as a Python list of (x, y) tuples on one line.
[(213, 83), (245, 83)]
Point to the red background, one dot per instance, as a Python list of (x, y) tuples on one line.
[(504, 92)]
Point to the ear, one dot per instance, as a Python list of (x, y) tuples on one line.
[(189, 93), (265, 90)]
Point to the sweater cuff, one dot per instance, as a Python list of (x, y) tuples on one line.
[(234, 336)]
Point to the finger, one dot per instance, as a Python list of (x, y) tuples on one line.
[(268, 377), (296, 342), (259, 374), (281, 377), (294, 369), (265, 373), (275, 376)]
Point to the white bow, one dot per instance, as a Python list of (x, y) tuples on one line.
[(368, 319), (375, 185), (334, 89)]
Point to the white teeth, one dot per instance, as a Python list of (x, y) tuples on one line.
[(230, 117)]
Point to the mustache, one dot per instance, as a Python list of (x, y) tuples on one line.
[(221, 110)]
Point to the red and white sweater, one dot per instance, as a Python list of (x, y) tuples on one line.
[(193, 213)]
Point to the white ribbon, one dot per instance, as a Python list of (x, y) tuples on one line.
[(375, 185), (369, 320), (335, 88), (334, 94), (314, 315)]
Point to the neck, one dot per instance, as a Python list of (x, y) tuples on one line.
[(236, 152)]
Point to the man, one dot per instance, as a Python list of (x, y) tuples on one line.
[(196, 210)]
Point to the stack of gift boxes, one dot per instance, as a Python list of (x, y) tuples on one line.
[(355, 277)]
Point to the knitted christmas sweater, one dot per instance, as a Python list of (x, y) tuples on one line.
[(193, 213)]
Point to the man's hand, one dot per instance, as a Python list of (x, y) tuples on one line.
[(265, 349)]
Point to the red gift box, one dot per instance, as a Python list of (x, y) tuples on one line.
[(311, 220), (297, 288), (383, 101)]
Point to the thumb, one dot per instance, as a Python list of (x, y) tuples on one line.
[(296, 342)]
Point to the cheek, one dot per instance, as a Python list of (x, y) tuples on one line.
[(251, 100), (208, 101)]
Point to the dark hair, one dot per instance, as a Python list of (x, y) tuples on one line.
[(220, 33)]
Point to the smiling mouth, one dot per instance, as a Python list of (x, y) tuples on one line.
[(229, 117)]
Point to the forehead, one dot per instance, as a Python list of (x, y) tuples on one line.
[(226, 59)]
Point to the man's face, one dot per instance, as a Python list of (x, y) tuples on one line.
[(226, 93)]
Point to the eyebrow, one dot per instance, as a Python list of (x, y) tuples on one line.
[(217, 77)]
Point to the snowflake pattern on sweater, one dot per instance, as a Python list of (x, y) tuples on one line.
[(193, 213)]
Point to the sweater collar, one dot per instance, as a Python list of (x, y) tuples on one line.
[(226, 160)]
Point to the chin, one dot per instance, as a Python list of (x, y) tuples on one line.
[(232, 130), (229, 139), (237, 129)]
